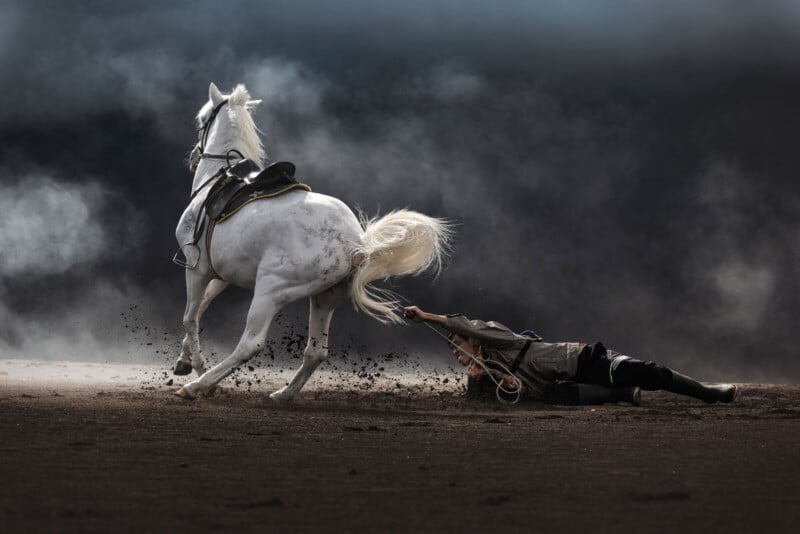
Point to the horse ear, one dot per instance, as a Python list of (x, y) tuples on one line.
[(214, 94)]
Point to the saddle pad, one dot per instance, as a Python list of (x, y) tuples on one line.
[(243, 197)]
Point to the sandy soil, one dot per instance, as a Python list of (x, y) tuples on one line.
[(90, 448)]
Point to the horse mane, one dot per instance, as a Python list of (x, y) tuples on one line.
[(248, 141)]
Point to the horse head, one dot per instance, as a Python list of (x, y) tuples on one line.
[(226, 132)]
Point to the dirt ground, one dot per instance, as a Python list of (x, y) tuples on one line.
[(128, 456)]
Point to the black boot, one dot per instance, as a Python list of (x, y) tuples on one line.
[(683, 385), (596, 394)]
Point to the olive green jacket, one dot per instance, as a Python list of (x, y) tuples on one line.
[(543, 362)]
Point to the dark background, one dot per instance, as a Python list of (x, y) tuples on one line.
[(620, 171)]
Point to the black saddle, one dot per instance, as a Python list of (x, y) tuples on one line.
[(245, 168), (245, 182)]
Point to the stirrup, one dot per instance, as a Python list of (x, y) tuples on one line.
[(185, 262)]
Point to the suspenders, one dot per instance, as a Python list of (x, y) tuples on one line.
[(518, 360)]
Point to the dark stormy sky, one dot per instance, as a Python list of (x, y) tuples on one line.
[(622, 171)]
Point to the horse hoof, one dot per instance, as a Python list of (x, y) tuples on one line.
[(182, 368), (279, 397), (184, 394)]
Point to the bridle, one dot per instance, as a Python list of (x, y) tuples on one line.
[(200, 147)]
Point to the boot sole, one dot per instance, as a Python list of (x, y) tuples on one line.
[(636, 398), (726, 396)]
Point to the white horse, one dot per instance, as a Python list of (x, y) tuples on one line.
[(300, 244)]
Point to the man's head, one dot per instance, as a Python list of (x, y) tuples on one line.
[(464, 347)]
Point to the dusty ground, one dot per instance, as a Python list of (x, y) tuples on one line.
[(117, 452)]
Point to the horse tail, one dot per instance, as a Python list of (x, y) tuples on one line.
[(400, 243)]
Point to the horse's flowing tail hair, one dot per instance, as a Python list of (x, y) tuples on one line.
[(400, 243)]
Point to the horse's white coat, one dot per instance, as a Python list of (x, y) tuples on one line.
[(297, 245)]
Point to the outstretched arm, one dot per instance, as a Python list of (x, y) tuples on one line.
[(492, 332)]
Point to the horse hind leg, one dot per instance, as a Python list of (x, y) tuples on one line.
[(322, 306), (191, 357)]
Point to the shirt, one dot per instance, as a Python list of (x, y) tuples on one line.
[(543, 363)]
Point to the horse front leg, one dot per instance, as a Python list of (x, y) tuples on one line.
[(262, 311), (199, 294), (319, 320)]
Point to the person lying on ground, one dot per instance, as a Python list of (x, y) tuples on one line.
[(561, 373)]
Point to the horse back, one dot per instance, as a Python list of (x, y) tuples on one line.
[(298, 235)]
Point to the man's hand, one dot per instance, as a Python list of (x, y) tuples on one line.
[(415, 314), (510, 383), (418, 316)]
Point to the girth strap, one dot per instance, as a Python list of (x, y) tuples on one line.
[(209, 233)]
